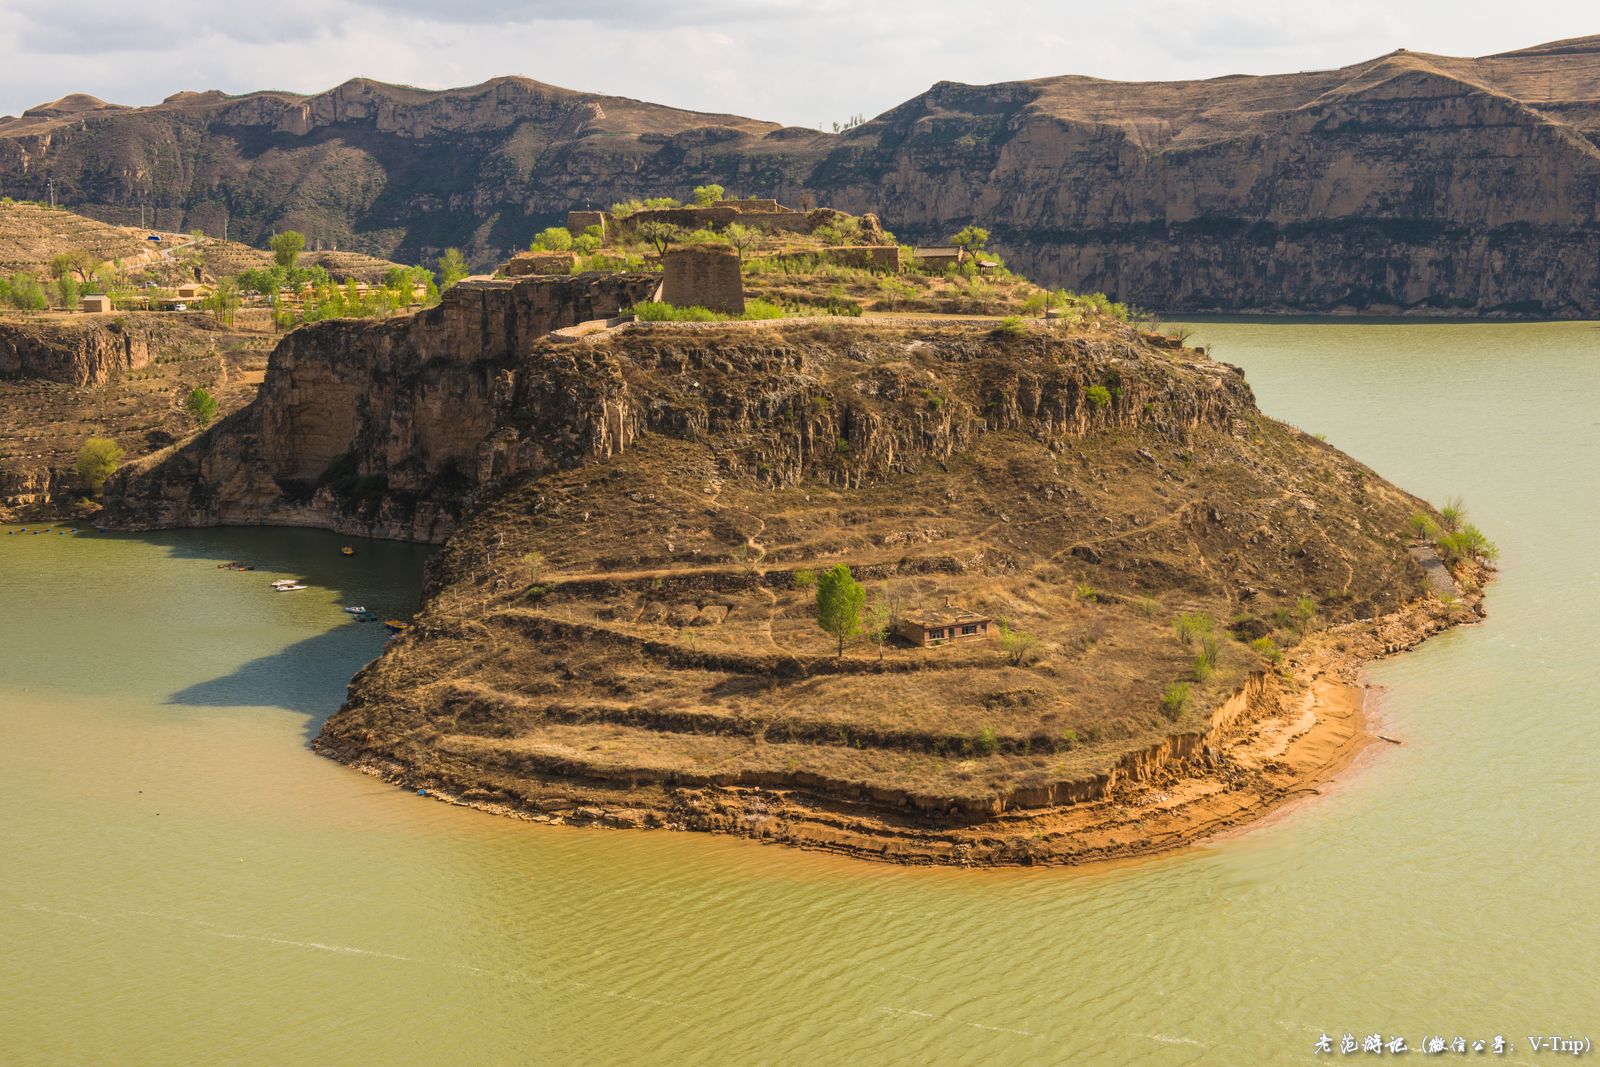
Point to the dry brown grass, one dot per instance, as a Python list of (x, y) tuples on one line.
[(639, 617)]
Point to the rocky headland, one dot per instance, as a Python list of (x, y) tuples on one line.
[(620, 628)]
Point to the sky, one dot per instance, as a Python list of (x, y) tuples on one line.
[(800, 62)]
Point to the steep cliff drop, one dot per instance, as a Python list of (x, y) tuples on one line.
[(65, 378), (379, 428)]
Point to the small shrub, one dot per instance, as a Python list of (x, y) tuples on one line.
[(1099, 397), (1011, 326), (1069, 737), (1020, 648), (1147, 606), (552, 239), (1453, 514), (1202, 670), (1268, 649), (97, 459), (987, 743), (1477, 545), (1422, 526), (762, 309), (1188, 627), (201, 406), (805, 578), (1085, 591), (657, 311), (1175, 700)]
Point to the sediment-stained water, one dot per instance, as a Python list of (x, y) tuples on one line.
[(181, 880)]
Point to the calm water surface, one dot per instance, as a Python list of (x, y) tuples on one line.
[(181, 881)]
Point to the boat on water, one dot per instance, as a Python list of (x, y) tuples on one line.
[(358, 609), (366, 616), (347, 551), (396, 626), (289, 588)]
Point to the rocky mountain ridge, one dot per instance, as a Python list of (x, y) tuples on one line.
[(1408, 183)]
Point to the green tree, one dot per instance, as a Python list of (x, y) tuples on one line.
[(970, 238), (452, 268), (201, 406), (660, 235), (895, 291), (26, 292), (286, 248), (706, 195), (222, 301), (67, 291), (98, 457), (264, 280), (877, 625), (77, 263), (551, 239), (739, 236), (840, 599), (1018, 646)]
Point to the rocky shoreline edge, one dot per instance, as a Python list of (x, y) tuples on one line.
[(1278, 738)]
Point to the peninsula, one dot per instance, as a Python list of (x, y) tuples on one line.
[(1103, 605)]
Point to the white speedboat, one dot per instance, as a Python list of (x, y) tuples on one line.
[(287, 587), (357, 609)]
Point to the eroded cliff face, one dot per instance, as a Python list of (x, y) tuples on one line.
[(66, 378), (374, 428), (1409, 183), (75, 350)]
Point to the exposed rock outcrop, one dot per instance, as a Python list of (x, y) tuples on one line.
[(370, 427), (77, 350), (1408, 183)]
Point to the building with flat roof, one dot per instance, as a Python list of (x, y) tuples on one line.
[(939, 627)]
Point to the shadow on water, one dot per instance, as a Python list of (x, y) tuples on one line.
[(300, 678), (309, 677)]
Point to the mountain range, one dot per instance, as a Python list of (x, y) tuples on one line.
[(1408, 183)]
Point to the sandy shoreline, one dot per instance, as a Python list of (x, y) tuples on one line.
[(1279, 740)]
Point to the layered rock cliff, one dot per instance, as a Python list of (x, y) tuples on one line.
[(77, 350), (371, 427), (1411, 182), (66, 378)]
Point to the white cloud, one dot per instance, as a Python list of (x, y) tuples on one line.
[(805, 62)]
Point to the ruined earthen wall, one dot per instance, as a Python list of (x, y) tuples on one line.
[(703, 277)]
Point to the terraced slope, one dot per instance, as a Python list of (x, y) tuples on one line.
[(622, 632)]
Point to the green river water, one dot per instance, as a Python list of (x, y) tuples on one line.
[(182, 881)]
